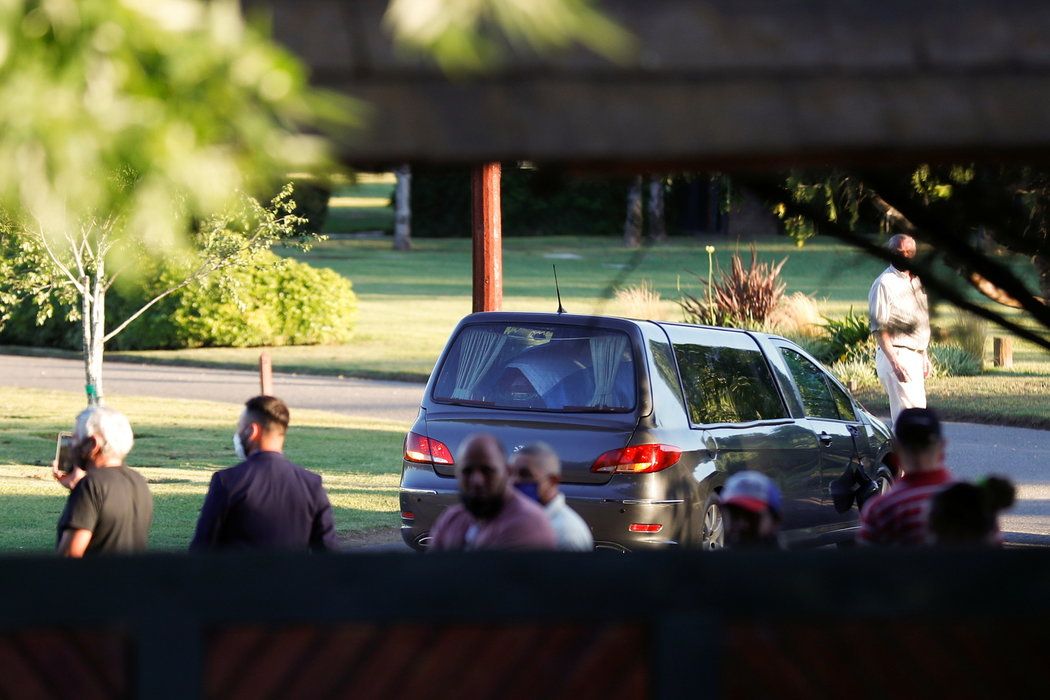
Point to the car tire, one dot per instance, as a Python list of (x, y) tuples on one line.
[(712, 525)]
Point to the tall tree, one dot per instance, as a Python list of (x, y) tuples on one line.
[(657, 220), (632, 227), (403, 208)]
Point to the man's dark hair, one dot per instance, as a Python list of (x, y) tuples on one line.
[(269, 412), (917, 429)]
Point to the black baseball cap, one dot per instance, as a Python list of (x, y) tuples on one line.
[(917, 428)]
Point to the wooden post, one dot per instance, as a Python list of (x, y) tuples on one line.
[(1003, 352), (265, 374), (488, 243)]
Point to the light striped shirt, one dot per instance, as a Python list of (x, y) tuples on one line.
[(901, 516)]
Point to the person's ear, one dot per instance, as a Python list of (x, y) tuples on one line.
[(255, 432), (92, 447)]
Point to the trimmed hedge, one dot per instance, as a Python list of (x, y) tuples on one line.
[(535, 203), (278, 302)]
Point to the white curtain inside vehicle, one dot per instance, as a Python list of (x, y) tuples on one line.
[(478, 350), (607, 354)]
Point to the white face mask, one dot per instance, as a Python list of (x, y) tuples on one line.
[(238, 447)]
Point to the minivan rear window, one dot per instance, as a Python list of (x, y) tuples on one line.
[(540, 368)]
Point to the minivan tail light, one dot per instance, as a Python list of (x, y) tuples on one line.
[(419, 448), (637, 459)]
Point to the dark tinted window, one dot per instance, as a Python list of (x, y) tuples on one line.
[(817, 400), (843, 402), (726, 377), (548, 368), (666, 379), (821, 397)]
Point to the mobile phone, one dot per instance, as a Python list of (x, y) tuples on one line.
[(64, 452)]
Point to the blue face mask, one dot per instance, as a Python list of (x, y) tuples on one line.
[(530, 489)]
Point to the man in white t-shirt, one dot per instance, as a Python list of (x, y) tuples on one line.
[(900, 321), (537, 472)]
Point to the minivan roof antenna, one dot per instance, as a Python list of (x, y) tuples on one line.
[(561, 309)]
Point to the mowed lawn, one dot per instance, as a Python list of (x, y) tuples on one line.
[(410, 302), (178, 444)]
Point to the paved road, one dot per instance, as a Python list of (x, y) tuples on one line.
[(973, 450), (389, 400)]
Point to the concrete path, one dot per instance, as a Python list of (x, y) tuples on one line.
[(1021, 454)]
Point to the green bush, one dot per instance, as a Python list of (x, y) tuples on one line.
[(534, 202), (847, 338), (953, 361), (970, 334), (278, 302), (858, 373)]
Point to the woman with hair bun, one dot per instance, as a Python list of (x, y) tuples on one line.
[(966, 514)]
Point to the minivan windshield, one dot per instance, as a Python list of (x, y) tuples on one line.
[(541, 368)]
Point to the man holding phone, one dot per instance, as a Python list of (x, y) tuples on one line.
[(110, 507)]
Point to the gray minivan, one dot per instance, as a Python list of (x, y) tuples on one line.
[(649, 419)]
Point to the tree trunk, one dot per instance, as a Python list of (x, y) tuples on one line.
[(632, 228), (403, 208), (93, 324), (657, 222)]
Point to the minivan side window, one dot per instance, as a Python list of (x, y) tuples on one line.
[(817, 400), (821, 397), (725, 376)]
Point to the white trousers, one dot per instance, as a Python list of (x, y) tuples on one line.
[(909, 394)]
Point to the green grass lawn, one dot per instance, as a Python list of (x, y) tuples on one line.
[(362, 206), (178, 444), (410, 302)]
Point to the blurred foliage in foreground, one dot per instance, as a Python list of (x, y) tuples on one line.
[(150, 114), (471, 35)]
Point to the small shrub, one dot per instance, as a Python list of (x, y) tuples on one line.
[(970, 334), (796, 315), (740, 297), (639, 301), (953, 361), (856, 373), (848, 338)]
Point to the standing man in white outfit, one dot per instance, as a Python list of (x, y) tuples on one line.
[(900, 320), (537, 472)]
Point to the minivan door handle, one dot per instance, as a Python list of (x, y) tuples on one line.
[(825, 439)]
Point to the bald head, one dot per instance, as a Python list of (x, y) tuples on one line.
[(902, 244), (481, 471)]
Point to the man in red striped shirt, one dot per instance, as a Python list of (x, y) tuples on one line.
[(899, 517)]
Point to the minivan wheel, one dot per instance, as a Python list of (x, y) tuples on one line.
[(713, 532)]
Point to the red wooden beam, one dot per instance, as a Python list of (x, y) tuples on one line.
[(488, 237)]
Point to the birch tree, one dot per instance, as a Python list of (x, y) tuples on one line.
[(74, 279)]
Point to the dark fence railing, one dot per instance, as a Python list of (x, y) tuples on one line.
[(661, 625)]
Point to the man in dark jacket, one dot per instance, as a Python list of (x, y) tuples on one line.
[(266, 501)]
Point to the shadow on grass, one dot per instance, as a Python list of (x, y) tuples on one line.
[(28, 521)]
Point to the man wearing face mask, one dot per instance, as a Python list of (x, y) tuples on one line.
[(110, 508), (900, 320), (492, 514), (537, 473), (265, 501)]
